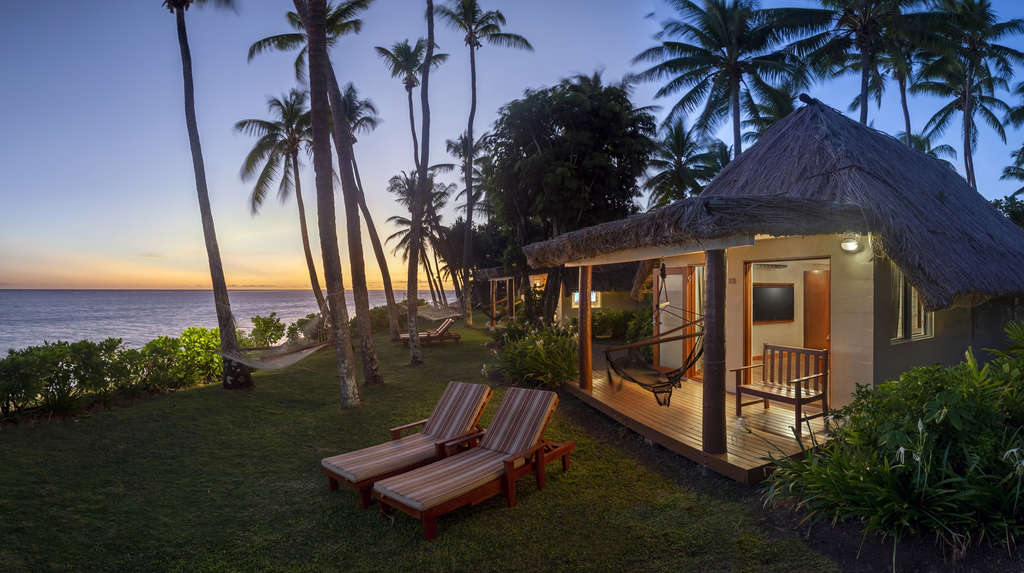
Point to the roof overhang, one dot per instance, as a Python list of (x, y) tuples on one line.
[(660, 251)]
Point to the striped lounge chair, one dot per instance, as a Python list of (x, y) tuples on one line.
[(456, 414), (512, 447), (439, 334)]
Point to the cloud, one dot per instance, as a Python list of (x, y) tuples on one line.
[(151, 256)]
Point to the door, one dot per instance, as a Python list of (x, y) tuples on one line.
[(817, 315), (695, 305), (667, 310)]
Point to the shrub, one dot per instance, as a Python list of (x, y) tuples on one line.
[(159, 364), (544, 357), (266, 331), (199, 361), (938, 452), (611, 323), (19, 384)]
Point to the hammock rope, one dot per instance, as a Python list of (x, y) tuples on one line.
[(315, 336)]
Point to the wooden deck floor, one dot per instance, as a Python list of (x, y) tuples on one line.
[(677, 427)]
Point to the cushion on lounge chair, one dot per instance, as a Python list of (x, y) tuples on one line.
[(520, 420), (432, 485), (455, 412), (382, 458)]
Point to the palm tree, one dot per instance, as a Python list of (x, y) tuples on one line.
[(277, 150), (973, 35), (921, 142), (773, 105), (716, 49), (420, 195), (1015, 171), (946, 79), (313, 16), (234, 375), (714, 159), (676, 172), (457, 148), (339, 20), (362, 117), (405, 61), (477, 26), (403, 186)]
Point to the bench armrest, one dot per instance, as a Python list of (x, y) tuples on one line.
[(806, 378), (510, 461), (396, 432)]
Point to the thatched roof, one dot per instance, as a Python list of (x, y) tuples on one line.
[(605, 278), (817, 172)]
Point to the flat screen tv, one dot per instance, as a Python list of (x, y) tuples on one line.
[(773, 302)]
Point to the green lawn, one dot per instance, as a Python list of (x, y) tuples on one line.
[(206, 479)]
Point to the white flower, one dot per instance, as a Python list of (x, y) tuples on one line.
[(917, 457), (920, 426), (483, 370), (1011, 452), (900, 454)]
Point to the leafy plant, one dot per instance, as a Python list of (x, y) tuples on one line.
[(199, 360), (19, 386), (544, 357)]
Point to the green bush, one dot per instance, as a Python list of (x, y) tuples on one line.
[(266, 331), (159, 364), (199, 359), (543, 357), (19, 384), (611, 323), (938, 452)]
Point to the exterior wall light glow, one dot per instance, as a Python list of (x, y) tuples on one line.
[(850, 243)]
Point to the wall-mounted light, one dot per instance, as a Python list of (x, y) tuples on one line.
[(850, 242)]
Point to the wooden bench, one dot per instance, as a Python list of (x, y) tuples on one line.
[(790, 375)]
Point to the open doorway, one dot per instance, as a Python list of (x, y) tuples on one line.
[(788, 303), (683, 290)]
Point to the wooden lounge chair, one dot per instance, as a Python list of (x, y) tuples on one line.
[(456, 414), (790, 375), (439, 334), (512, 447)]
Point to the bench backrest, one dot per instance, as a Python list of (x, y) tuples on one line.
[(783, 364), (440, 330)]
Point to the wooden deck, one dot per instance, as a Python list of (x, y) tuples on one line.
[(677, 427)]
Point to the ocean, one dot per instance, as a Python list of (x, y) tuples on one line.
[(28, 317)]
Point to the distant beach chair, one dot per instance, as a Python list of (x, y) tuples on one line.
[(512, 447), (456, 413), (439, 334)]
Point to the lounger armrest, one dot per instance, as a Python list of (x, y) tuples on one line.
[(396, 432), (441, 448), (510, 461)]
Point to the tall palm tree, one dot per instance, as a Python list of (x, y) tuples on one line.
[(339, 20), (714, 159), (1015, 171), (676, 172), (234, 375), (477, 26), (457, 148), (765, 111), (421, 193), (946, 79), (718, 48), (361, 115), (921, 142), (313, 16), (975, 35), (403, 186), (277, 151), (405, 61)]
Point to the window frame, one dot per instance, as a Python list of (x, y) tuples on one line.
[(904, 291)]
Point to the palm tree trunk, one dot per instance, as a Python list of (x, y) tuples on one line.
[(430, 279), (313, 280), (865, 60), (734, 105), (968, 127), (378, 252), (902, 81), (234, 375), (343, 141), (467, 245), (419, 197), (320, 111), (440, 280), (412, 127)]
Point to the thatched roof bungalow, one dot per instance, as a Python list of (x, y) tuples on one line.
[(824, 234)]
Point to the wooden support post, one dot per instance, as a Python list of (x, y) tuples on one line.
[(511, 291), (494, 301), (713, 415), (586, 352)]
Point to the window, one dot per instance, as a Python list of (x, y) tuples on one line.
[(595, 299), (910, 319)]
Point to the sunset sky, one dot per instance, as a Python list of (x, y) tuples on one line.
[(98, 187)]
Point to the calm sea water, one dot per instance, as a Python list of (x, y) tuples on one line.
[(29, 317)]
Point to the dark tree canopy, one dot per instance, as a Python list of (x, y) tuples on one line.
[(568, 157)]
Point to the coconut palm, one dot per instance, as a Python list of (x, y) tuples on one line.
[(234, 375), (946, 79), (276, 154), (320, 119), (477, 26), (338, 21), (1015, 171), (676, 172), (921, 142), (714, 159), (361, 115), (717, 48), (765, 111), (405, 61), (341, 19), (457, 148), (403, 187)]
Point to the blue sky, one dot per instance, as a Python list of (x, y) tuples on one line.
[(98, 187)]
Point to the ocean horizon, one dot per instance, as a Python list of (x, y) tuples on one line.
[(29, 317)]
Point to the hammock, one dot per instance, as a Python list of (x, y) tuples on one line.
[(314, 336), (437, 313), (628, 363)]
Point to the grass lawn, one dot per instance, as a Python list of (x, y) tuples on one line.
[(211, 480)]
